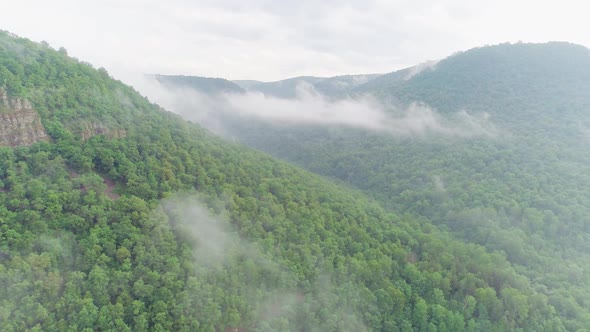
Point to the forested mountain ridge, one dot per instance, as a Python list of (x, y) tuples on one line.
[(520, 190), (205, 85), (516, 83), (289, 88), (85, 243)]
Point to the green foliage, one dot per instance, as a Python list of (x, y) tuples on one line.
[(522, 193), (85, 244)]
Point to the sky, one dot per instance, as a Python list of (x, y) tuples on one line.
[(276, 39)]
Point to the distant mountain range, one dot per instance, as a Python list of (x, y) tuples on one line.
[(206, 85), (330, 86), (288, 88)]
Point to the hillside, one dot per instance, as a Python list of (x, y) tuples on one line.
[(516, 83), (205, 85), (129, 218), (515, 183), (289, 88)]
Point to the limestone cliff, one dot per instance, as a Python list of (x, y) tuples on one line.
[(19, 122)]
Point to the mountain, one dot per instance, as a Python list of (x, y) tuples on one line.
[(126, 217), (284, 88), (339, 85), (519, 82), (247, 84), (496, 154), (290, 88), (205, 85), (392, 79)]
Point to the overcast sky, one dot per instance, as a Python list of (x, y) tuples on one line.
[(276, 39)]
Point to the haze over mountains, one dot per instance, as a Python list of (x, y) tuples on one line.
[(288, 88), (490, 144), (531, 82), (448, 197)]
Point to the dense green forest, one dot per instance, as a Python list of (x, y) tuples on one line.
[(520, 192), (152, 223)]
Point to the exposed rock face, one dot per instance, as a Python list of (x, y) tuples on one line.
[(19, 122), (95, 128)]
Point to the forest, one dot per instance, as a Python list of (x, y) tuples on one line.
[(518, 190), (153, 223)]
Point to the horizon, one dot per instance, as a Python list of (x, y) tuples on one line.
[(376, 74), (269, 41)]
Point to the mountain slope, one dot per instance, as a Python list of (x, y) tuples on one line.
[(520, 190), (289, 88), (88, 244), (519, 82), (205, 85)]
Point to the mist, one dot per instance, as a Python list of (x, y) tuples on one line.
[(267, 285), (214, 238), (311, 108), (417, 69)]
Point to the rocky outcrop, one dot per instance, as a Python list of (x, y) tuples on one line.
[(19, 122), (93, 129)]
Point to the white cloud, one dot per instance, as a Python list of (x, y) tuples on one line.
[(312, 108), (277, 39)]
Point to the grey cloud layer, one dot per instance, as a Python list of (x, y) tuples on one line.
[(312, 108), (276, 39)]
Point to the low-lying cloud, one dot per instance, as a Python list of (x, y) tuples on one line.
[(266, 284), (312, 108), (215, 241)]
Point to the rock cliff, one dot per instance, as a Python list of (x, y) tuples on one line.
[(19, 122), (96, 128)]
